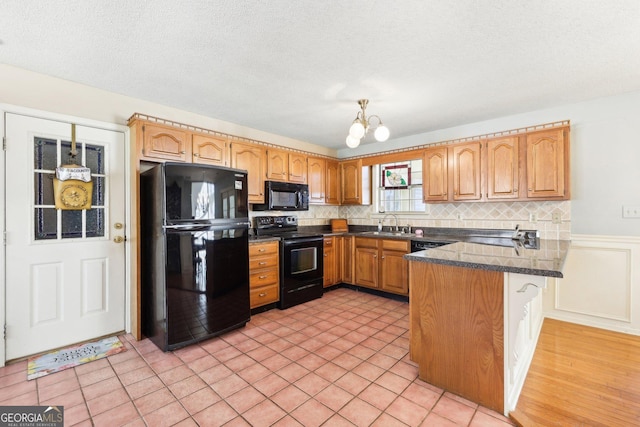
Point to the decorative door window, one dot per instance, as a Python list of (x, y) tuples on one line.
[(53, 224)]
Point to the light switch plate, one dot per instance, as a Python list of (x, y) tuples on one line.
[(630, 211)]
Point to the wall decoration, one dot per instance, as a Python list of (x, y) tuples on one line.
[(396, 177)]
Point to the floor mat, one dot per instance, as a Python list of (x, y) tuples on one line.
[(69, 357)]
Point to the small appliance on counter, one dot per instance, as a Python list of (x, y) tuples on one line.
[(301, 259)]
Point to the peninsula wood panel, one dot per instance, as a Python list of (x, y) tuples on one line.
[(457, 330)]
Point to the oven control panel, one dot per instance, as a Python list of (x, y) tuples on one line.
[(265, 222)]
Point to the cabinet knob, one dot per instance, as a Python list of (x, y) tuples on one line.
[(196, 155), (183, 152), (262, 294), (375, 256), (382, 257), (261, 250), (325, 255), (262, 263)]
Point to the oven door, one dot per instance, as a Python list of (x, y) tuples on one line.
[(302, 261)]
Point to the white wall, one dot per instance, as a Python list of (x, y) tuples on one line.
[(28, 89), (605, 157)]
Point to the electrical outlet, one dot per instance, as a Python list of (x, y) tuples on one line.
[(459, 216), (533, 217), (556, 217), (631, 211)]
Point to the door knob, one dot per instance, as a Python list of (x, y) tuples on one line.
[(118, 239)]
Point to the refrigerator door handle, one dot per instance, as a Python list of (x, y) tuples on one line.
[(208, 227)]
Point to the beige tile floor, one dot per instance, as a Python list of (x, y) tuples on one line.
[(341, 360)]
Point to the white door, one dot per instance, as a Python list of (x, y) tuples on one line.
[(65, 269)]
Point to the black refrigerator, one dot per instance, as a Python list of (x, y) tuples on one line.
[(194, 252)]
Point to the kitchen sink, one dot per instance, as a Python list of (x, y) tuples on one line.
[(386, 233)]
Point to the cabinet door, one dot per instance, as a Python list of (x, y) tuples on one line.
[(210, 150), (466, 171), (277, 165), (350, 176), (332, 186), (252, 159), (165, 143), (366, 262), (503, 171), (346, 260), (435, 175), (297, 168), (316, 178), (394, 275), (330, 271), (546, 164)]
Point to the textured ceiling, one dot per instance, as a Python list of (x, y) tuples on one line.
[(296, 67)]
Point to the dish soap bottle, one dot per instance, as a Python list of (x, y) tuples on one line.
[(379, 225)]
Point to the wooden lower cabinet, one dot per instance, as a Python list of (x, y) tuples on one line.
[(330, 262), (380, 264), (394, 269), (346, 259), (264, 273)]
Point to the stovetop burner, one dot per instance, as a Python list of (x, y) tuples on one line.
[(285, 227)]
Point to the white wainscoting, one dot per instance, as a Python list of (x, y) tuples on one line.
[(601, 284)]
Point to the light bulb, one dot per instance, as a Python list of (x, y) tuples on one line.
[(352, 142), (382, 133), (356, 130)]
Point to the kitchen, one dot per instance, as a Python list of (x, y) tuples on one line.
[(592, 219)]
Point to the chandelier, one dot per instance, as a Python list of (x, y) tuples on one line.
[(361, 125)]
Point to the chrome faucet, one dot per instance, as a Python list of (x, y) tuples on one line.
[(517, 234), (394, 217)]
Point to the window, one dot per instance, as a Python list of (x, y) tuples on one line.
[(400, 186), (52, 224)]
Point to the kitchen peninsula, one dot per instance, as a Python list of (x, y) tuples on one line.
[(475, 316)]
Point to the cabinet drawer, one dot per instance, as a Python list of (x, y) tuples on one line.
[(259, 249), (366, 242), (264, 295), (260, 262), (396, 245), (264, 278)]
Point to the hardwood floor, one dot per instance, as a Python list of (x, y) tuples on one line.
[(581, 376)]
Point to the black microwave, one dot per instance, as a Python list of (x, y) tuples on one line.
[(284, 196)]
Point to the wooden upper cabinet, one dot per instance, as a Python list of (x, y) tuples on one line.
[(547, 161), (253, 159), (466, 171), (332, 183), (435, 177), (210, 150), (503, 170), (277, 165), (165, 143), (297, 168), (316, 178), (356, 183)]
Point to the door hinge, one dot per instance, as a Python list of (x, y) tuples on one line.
[(4, 238), (4, 143)]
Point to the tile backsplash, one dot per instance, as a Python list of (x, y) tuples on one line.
[(501, 215)]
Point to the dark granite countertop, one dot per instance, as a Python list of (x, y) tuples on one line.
[(547, 260), (262, 239)]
